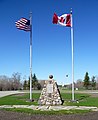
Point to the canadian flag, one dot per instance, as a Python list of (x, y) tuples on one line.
[(64, 20)]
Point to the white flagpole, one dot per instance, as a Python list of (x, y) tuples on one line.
[(72, 44), (30, 56)]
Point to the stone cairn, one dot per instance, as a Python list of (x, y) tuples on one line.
[(50, 94)]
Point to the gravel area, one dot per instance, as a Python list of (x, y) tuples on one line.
[(8, 115)]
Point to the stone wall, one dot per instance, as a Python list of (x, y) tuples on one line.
[(50, 94)]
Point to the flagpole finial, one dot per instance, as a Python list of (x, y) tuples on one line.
[(71, 11)]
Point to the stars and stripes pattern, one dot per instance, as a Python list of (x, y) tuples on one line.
[(23, 24)]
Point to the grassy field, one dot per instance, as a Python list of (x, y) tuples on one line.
[(19, 99), (83, 99), (23, 99)]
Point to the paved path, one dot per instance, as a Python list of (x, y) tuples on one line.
[(47, 108), (6, 93)]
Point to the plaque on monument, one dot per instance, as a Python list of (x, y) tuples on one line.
[(49, 88)]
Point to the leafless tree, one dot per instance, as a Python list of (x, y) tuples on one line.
[(4, 82), (79, 84), (12, 83), (16, 77)]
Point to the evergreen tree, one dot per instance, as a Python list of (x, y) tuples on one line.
[(28, 83), (93, 82), (25, 85), (39, 86), (86, 81), (34, 81)]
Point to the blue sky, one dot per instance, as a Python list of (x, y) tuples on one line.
[(51, 43)]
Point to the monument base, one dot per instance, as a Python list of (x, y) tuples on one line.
[(50, 94)]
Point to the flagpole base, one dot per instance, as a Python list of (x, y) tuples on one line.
[(30, 100), (74, 101)]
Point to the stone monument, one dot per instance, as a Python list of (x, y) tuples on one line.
[(50, 94)]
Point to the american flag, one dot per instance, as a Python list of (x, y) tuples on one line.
[(23, 24)]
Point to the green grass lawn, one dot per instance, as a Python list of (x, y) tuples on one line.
[(19, 99), (83, 99), (23, 99)]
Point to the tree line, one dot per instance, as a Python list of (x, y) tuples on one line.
[(14, 82), (35, 83), (89, 84), (10, 83)]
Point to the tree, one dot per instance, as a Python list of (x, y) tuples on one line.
[(79, 84), (93, 82), (10, 83), (28, 84), (34, 81), (25, 85), (4, 83), (16, 81), (39, 86), (86, 81)]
